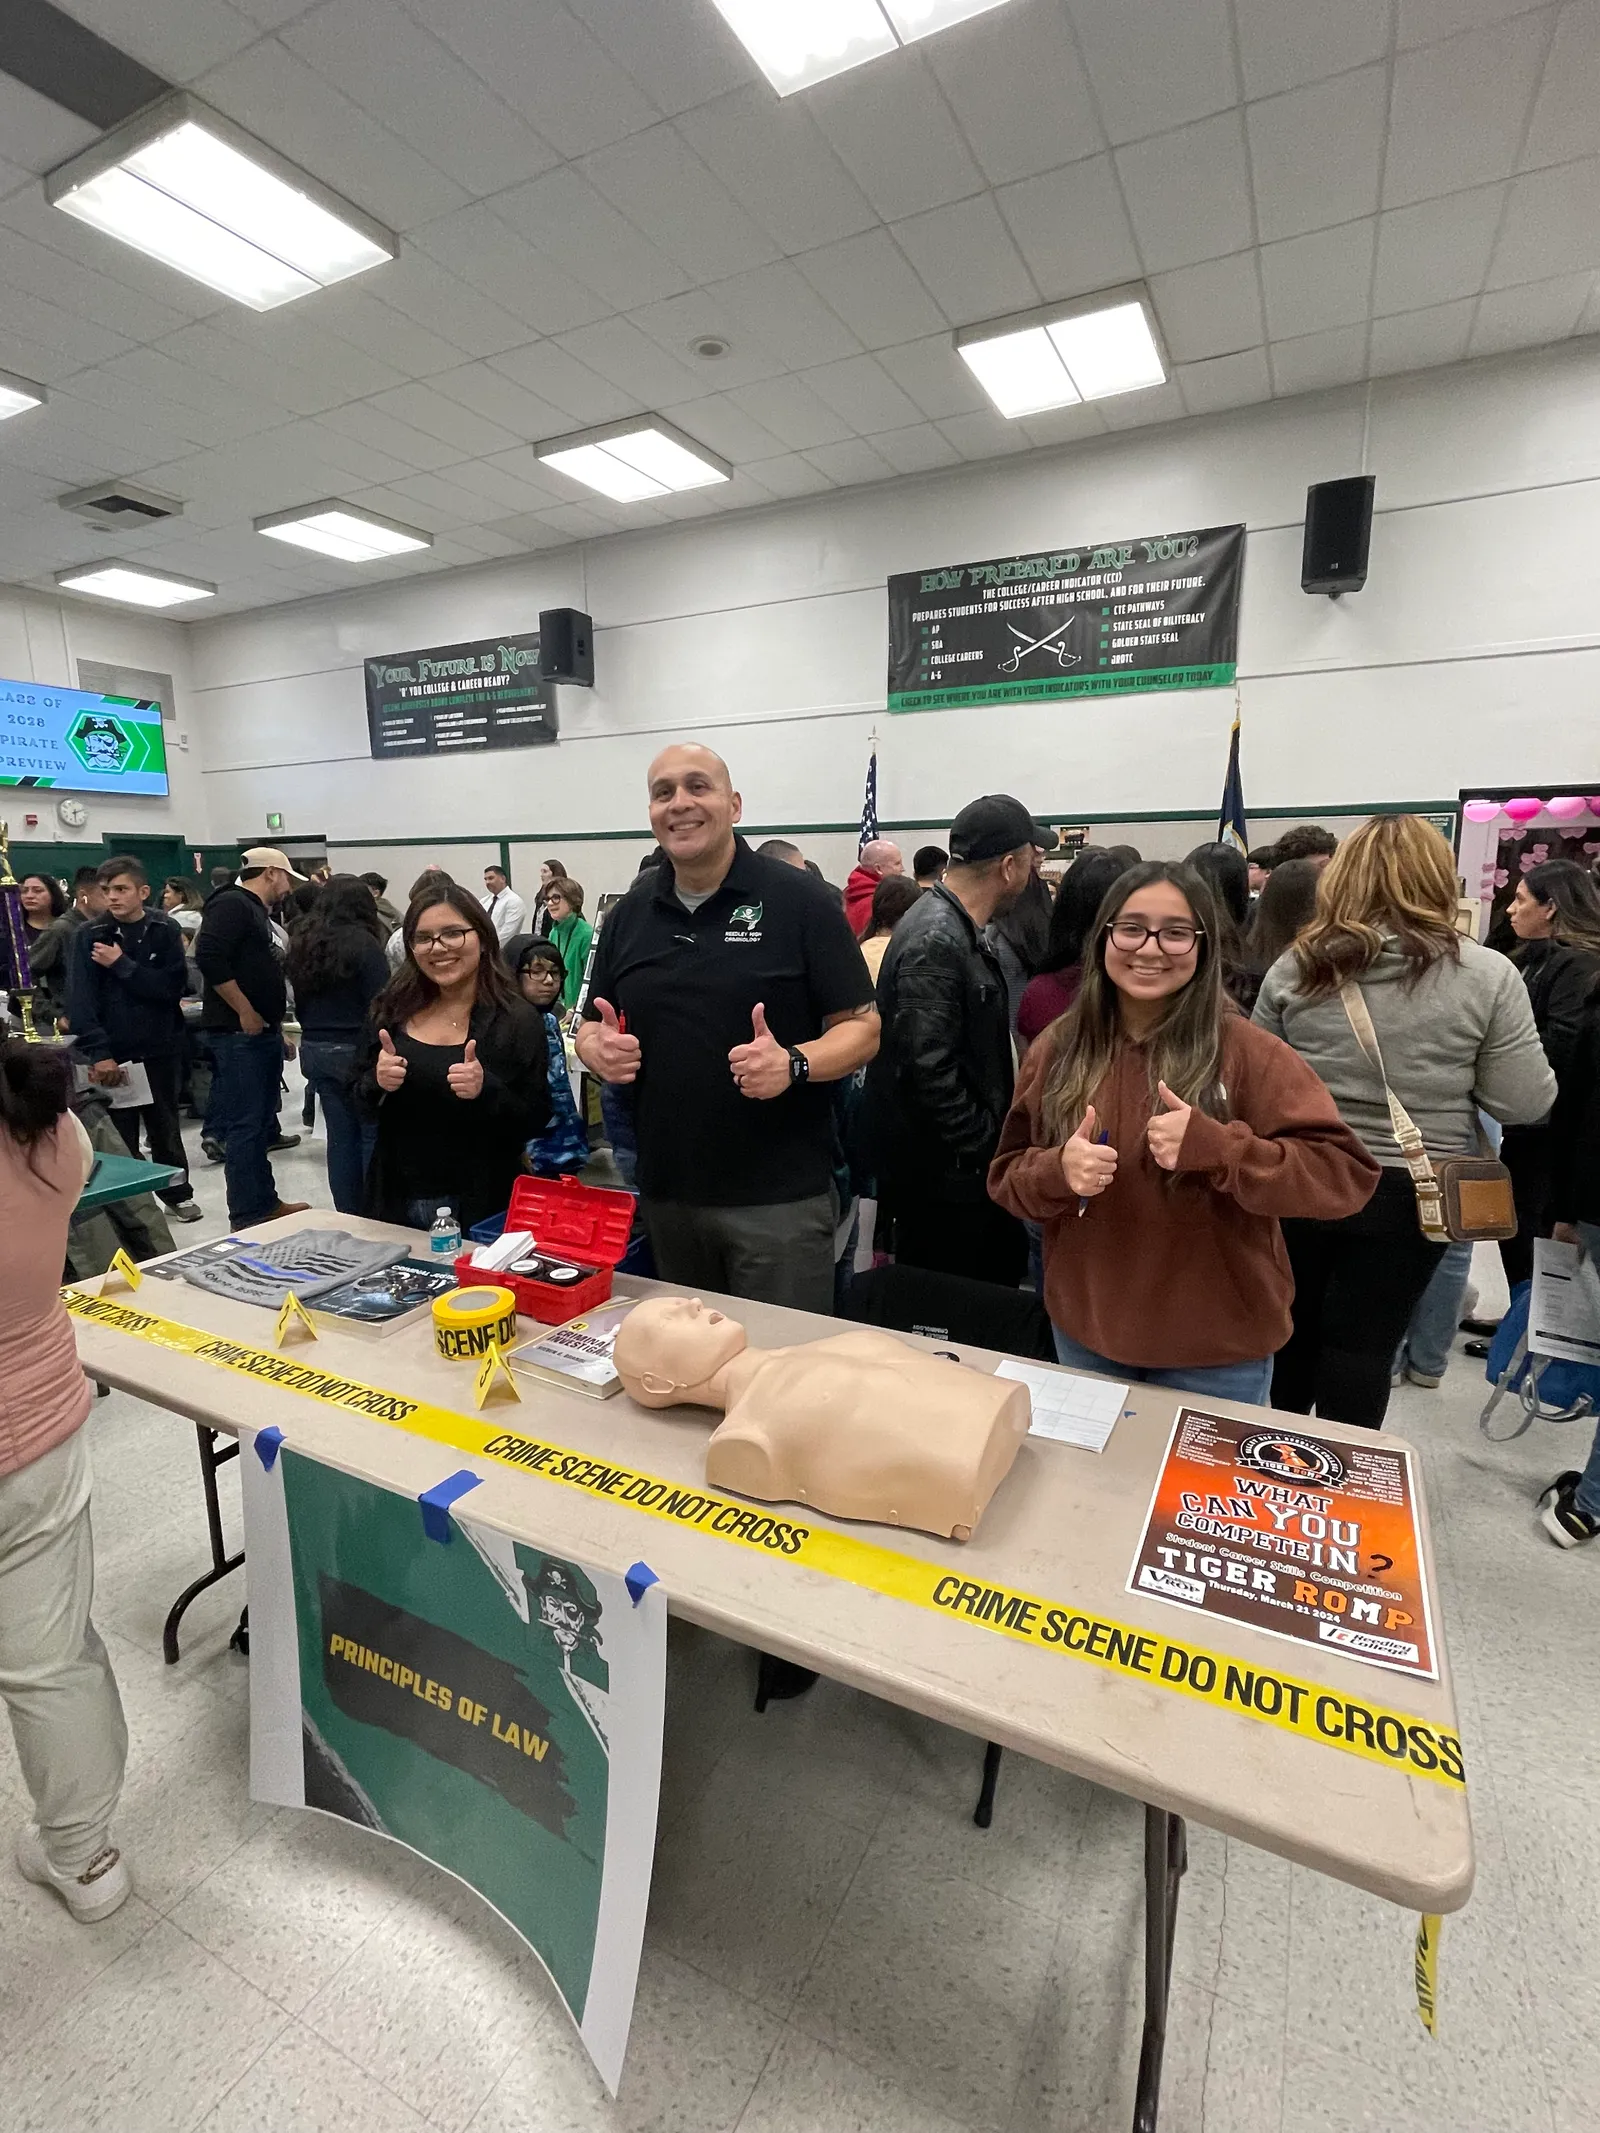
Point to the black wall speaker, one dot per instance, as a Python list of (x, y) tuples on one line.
[(1338, 535), (566, 647)]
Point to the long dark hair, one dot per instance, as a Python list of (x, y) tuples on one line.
[(326, 950), (1569, 891), (410, 990), (1082, 891), (1185, 1048), (35, 1082), (1284, 909), (58, 895)]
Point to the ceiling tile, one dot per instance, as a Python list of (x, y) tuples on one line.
[(966, 260), (178, 39), (894, 130), (771, 155), (1527, 316), (585, 522), (792, 412), (1566, 111), (1426, 21), (868, 282), (915, 449), (682, 322), (790, 475), (1189, 193), (852, 461), (1436, 251), (35, 318), (218, 355), (772, 317), (862, 394), (633, 362), (530, 531), (679, 55), (563, 216), (724, 426), (1158, 64), (1210, 310), (548, 371), (430, 502), (354, 315), (150, 394), (276, 95), (1416, 340), (1312, 362), (30, 214), (984, 434), (469, 434), (1072, 229), (1063, 425), (25, 265), (498, 263), (1284, 43), (664, 189), (292, 338), (501, 492), (1315, 154), (1225, 381), (543, 62), (420, 289), (935, 376), (410, 450), (1551, 227), (1018, 89), (1460, 109), (1319, 281), (1132, 411), (37, 133)]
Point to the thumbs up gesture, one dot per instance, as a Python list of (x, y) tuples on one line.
[(1088, 1162), (391, 1067), (606, 1048), (1167, 1127), (760, 1068), (466, 1078)]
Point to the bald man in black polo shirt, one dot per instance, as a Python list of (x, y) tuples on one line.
[(729, 990)]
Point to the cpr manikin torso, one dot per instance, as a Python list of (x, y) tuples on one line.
[(860, 1425)]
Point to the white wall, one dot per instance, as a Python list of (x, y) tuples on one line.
[(42, 639), (1472, 657)]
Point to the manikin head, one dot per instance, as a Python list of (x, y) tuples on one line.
[(669, 1348)]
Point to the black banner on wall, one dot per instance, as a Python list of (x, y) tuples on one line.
[(459, 698), (1160, 612)]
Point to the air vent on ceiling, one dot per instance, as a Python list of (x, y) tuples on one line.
[(114, 505)]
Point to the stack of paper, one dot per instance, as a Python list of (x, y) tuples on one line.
[(1071, 1410)]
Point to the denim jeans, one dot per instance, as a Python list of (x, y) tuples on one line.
[(1249, 1382), (1432, 1330), (329, 1070), (1589, 1486), (249, 1070)]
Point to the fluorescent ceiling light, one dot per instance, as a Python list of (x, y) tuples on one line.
[(17, 395), (629, 461), (133, 583), (189, 188), (341, 530), (1083, 351), (798, 42)]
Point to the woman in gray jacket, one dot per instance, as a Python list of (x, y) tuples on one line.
[(1456, 1033)]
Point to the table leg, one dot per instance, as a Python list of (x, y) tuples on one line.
[(983, 1813), (1166, 1859), (221, 1561)]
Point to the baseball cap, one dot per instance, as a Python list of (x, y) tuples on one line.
[(261, 856), (996, 824)]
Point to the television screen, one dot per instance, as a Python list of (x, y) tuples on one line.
[(73, 740)]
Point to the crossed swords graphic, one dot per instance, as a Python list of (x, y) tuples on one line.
[(1058, 652)]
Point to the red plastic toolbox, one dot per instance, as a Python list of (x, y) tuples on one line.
[(582, 1224)]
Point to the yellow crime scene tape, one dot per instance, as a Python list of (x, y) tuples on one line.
[(1265, 1694)]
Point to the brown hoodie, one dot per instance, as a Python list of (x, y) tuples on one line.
[(1184, 1268)]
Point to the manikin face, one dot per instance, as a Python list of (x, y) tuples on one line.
[(672, 1344), (124, 898), (1153, 970), (445, 946), (693, 807), (35, 895), (1530, 919)]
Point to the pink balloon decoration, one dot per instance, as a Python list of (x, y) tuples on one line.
[(1565, 806), (1525, 809), (1482, 810), (1594, 803)]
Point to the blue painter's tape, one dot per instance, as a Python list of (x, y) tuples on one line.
[(639, 1581), (267, 1442), (436, 1502)]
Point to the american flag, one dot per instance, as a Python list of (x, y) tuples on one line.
[(869, 800), (1231, 825)]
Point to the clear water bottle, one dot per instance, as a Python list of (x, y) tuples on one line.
[(444, 1239)]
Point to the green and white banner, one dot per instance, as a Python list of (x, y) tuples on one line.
[(494, 1708)]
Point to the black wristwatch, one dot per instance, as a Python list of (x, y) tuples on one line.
[(799, 1066)]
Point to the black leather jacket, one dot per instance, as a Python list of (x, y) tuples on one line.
[(939, 1090)]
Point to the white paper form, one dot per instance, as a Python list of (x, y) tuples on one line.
[(1564, 1308), (1068, 1409)]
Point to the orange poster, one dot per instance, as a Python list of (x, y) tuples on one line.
[(1296, 1535)]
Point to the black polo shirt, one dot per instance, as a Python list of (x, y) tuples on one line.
[(686, 983)]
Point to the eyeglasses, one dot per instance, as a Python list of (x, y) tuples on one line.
[(1128, 935), (448, 938)]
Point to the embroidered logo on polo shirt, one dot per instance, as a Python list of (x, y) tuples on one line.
[(747, 919)]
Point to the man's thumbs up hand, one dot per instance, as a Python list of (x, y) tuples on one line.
[(606, 1048), (760, 1068)]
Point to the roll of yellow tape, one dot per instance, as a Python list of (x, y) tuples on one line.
[(467, 1320)]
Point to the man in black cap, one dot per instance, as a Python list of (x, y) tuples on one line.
[(939, 1090)]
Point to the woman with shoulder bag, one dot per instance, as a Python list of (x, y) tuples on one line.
[(1413, 1029)]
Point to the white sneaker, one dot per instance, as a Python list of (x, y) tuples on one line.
[(104, 1885), (186, 1211)]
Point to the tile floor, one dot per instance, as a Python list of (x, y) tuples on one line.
[(833, 1948)]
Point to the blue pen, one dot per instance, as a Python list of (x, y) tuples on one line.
[(1100, 1140)]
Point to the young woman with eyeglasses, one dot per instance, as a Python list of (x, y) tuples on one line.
[(1159, 1139), (453, 1065)]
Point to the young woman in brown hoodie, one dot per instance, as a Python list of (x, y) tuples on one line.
[(1158, 1136)]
